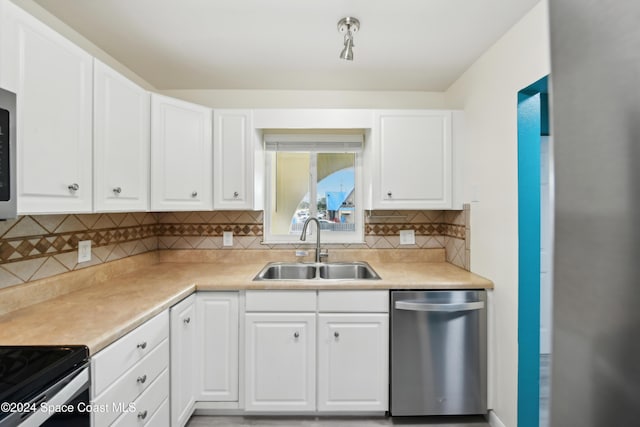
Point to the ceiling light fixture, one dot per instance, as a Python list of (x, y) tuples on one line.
[(348, 26)]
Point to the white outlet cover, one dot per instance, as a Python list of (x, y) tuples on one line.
[(84, 251), (407, 237), (227, 238)]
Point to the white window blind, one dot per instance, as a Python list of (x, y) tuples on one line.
[(314, 143)]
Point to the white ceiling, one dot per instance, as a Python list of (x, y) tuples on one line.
[(292, 44)]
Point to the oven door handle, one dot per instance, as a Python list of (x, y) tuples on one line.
[(62, 397), (421, 305)]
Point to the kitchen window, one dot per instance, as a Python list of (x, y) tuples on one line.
[(318, 176)]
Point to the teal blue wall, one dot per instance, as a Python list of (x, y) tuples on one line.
[(532, 123)]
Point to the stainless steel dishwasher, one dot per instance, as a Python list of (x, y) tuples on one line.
[(438, 353)]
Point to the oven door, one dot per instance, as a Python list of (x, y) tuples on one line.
[(63, 404)]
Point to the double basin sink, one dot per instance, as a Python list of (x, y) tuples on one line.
[(317, 271)]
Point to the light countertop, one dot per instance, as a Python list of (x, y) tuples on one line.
[(99, 314)]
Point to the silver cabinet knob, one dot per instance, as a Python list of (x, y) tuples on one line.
[(296, 334), (73, 187), (117, 190), (336, 334), (187, 320), (235, 194), (194, 194), (389, 194), (142, 379), (142, 414), (142, 345)]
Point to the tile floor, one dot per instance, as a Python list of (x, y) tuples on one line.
[(211, 421)]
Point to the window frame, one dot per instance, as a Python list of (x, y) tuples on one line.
[(355, 237)]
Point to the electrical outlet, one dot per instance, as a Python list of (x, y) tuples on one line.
[(84, 251), (407, 237), (227, 238)]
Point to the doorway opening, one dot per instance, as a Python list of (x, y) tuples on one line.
[(535, 220)]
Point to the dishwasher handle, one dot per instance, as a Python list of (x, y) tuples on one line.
[(421, 305)]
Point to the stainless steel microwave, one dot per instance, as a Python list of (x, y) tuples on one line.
[(8, 206)]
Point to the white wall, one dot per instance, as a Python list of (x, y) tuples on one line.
[(487, 92), (43, 15), (310, 98)]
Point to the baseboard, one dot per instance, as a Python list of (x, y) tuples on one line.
[(494, 421), (241, 412)]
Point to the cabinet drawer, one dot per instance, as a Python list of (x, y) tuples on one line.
[(110, 363), (128, 387), (353, 301), (161, 417), (281, 301), (147, 404)]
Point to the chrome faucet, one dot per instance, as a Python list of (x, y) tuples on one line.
[(303, 237)]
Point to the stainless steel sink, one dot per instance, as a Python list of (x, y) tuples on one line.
[(317, 271), (287, 271), (347, 271)]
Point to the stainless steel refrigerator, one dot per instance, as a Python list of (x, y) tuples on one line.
[(595, 55)]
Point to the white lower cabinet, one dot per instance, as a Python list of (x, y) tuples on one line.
[(146, 405), (161, 417), (130, 378), (280, 362), (281, 370), (353, 362), (301, 352), (218, 331), (204, 352), (183, 360), (132, 384)]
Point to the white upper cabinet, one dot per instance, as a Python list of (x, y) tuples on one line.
[(3, 26), (121, 135), (232, 159), (53, 81), (412, 164), (180, 155)]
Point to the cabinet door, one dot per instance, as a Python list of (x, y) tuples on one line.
[(121, 135), (4, 25), (183, 360), (218, 346), (412, 151), (280, 362), (353, 364), (53, 81), (232, 159), (180, 155)]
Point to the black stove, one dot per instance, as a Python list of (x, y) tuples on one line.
[(27, 371)]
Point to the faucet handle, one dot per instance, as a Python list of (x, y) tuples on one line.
[(324, 255)]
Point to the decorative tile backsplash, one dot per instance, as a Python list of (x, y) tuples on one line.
[(458, 244), (38, 246), (203, 230)]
